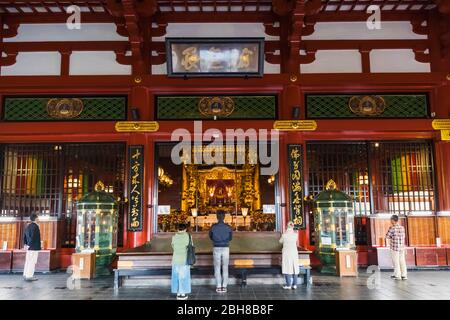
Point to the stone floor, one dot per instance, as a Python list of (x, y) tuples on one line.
[(421, 285)]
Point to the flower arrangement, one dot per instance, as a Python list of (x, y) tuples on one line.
[(262, 221), (169, 222)]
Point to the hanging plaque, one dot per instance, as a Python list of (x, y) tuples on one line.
[(296, 185), (135, 188)]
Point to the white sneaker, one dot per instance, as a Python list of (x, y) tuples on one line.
[(294, 287), (285, 287), (182, 297), (31, 279)]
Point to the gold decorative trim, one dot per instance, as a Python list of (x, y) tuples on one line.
[(367, 105), (441, 124), (137, 126), (125, 264), (331, 185), (216, 106), (445, 135), (99, 186), (295, 125), (64, 108)]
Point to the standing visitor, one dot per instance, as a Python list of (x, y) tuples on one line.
[(396, 237), (290, 267), (181, 271), (32, 244), (221, 235)]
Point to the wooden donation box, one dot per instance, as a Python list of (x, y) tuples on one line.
[(83, 265), (346, 263), (5, 260)]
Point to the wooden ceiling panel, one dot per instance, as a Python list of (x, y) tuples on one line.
[(196, 6)]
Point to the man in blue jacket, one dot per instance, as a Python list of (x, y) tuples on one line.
[(32, 243), (221, 235)]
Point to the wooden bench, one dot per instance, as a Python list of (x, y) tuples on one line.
[(245, 267), (242, 271), (251, 253)]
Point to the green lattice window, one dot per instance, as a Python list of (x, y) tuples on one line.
[(396, 106), (187, 107), (94, 108)]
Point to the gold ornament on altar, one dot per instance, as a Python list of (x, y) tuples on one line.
[(331, 185), (249, 193), (163, 178), (189, 193), (271, 180), (64, 108), (229, 191), (99, 186), (211, 191), (216, 106), (367, 105)]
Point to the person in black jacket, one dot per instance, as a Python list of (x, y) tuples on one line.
[(32, 243), (221, 235)]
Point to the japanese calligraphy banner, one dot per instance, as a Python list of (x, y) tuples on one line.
[(135, 187), (296, 185)]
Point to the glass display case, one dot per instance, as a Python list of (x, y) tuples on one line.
[(97, 220), (334, 224)]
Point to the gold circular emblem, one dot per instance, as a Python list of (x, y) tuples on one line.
[(293, 78), (216, 106), (367, 105), (448, 77), (64, 108), (137, 79)]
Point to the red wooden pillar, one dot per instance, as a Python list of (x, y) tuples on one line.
[(137, 238), (291, 99), (140, 100), (442, 101), (283, 182), (442, 160), (151, 184), (305, 234), (292, 138)]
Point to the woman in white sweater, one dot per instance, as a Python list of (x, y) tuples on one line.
[(290, 267)]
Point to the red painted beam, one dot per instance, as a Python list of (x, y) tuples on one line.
[(65, 84), (335, 129), (55, 127), (32, 18), (350, 82), (311, 45), (355, 81), (216, 17), (362, 16), (66, 46)]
